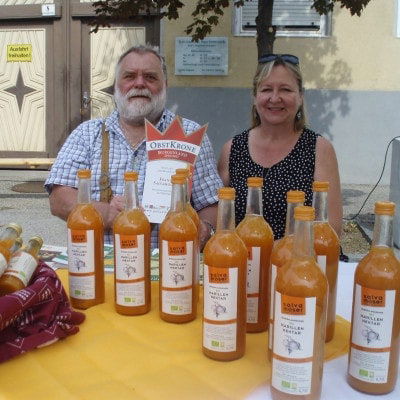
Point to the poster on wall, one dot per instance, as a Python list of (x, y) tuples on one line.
[(206, 57)]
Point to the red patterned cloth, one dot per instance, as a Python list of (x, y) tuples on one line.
[(36, 316)]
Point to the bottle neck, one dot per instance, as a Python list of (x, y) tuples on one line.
[(15, 247), (131, 195), (83, 191), (33, 248), (178, 197), (303, 243), (383, 231), (320, 203), (254, 201), (226, 215), (9, 233), (289, 230)]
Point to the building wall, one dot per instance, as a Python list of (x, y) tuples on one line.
[(351, 79)]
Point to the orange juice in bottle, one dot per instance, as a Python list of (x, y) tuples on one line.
[(301, 291), (132, 254), (177, 242), (225, 268), (195, 218), (281, 253), (7, 240), (21, 267), (327, 250), (85, 248), (375, 323), (258, 237)]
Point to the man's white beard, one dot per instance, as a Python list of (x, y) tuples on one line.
[(136, 110)]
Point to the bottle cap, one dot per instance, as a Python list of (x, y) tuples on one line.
[(319, 186), (131, 176), (84, 173), (255, 181), (295, 196), (37, 239), (384, 208), (182, 171), (226, 193), (304, 213), (179, 179), (17, 228)]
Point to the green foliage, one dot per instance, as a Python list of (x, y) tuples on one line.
[(354, 6)]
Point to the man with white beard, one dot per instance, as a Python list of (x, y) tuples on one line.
[(139, 94)]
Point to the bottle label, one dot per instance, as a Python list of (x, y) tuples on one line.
[(274, 270), (253, 283), (294, 327), (220, 308), (177, 277), (22, 266), (129, 270), (321, 261), (81, 264), (3, 264), (371, 334)]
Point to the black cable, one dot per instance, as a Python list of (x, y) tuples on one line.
[(377, 183)]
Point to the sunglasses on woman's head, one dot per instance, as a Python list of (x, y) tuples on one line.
[(290, 58)]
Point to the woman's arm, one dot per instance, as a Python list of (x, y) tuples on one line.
[(223, 162), (326, 169)]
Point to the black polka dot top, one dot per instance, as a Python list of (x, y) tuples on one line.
[(294, 172)]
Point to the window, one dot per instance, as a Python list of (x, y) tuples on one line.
[(292, 18)]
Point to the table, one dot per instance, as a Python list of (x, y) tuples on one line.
[(130, 358)]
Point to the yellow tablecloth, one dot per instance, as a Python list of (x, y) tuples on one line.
[(119, 357)]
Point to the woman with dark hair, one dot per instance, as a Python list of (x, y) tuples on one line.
[(279, 147)]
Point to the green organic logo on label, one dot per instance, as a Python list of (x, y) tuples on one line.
[(77, 292), (286, 384), (215, 343), (127, 299), (363, 372), (174, 308)]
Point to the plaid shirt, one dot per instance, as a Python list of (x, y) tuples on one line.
[(82, 150)]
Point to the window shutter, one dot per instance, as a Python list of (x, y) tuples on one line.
[(292, 14)]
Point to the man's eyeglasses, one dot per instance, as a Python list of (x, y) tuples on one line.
[(290, 58)]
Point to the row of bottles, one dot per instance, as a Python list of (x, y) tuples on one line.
[(244, 275), (17, 264)]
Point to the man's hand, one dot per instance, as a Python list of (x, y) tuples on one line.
[(206, 230)]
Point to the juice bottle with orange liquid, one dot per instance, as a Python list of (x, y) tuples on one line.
[(375, 323), (281, 253), (327, 250), (85, 248), (195, 218), (177, 242), (21, 267), (301, 291), (7, 240), (132, 254), (225, 269), (258, 237)]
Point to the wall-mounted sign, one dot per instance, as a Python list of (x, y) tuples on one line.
[(206, 57), (48, 10), (19, 52)]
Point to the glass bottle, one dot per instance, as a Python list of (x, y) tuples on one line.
[(195, 218), (177, 241), (131, 229), (375, 323), (7, 240), (225, 268), (258, 237), (301, 291), (21, 267), (281, 253), (327, 250), (85, 248)]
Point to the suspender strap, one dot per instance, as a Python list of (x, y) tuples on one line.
[(105, 188)]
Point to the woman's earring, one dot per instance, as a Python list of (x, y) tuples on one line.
[(298, 115)]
